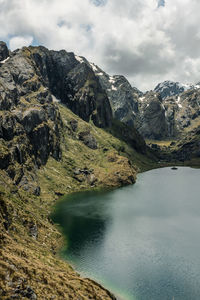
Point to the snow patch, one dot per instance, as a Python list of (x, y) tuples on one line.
[(114, 88), (79, 59), (94, 68), (178, 102), (5, 60), (111, 79), (55, 100)]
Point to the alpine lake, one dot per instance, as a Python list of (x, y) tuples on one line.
[(142, 242)]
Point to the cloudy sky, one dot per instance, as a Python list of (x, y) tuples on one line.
[(147, 41)]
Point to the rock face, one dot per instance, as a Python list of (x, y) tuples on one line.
[(151, 120), (170, 88), (74, 83), (4, 53), (162, 117), (88, 139), (29, 122), (122, 97), (182, 113), (32, 80)]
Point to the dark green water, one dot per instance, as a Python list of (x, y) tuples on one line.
[(141, 241)]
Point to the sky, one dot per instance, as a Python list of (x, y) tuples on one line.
[(147, 41)]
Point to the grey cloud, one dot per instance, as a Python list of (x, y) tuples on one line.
[(148, 60), (127, 8), (134, 38), (185, 38)]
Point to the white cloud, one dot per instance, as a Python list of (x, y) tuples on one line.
[(138, 39), (20, 41)]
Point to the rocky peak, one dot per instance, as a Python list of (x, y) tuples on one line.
[(71, 79), (170, 88), (4, 53), (32, 80), (122, 96)]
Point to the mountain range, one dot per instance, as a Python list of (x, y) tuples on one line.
[(68, 126)]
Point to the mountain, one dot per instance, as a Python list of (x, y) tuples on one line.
[(67, 126), (122, 96), (57, 136), (169, 117), (170, 88)]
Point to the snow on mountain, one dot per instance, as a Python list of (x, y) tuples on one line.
[(122, 96), (170, 88)]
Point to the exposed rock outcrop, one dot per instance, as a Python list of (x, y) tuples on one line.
[(151, 119), (29, 121), (88, 139), (74, 83), (122, 97), (4, 53), (32, 80), (168, 117)]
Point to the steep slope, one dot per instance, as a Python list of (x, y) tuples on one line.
[(151, 121), (29, 265), (122, 96), (168, 118), (46, 151)]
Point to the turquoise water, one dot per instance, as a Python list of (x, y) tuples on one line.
[(141, 241)]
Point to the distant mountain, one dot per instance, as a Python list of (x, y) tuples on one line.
[(170, 88), (161, 116)]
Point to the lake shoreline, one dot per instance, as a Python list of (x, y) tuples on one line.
[(180, 167)]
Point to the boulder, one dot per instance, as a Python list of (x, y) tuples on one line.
[(74, 124), (88, 139)]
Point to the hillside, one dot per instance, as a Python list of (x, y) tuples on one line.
[(67, 126), (57, 136)]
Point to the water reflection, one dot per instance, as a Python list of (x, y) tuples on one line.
[(83, 222)]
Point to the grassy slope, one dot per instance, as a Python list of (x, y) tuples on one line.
[(27, 261)]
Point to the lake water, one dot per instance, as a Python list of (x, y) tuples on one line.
[(142, 241)]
